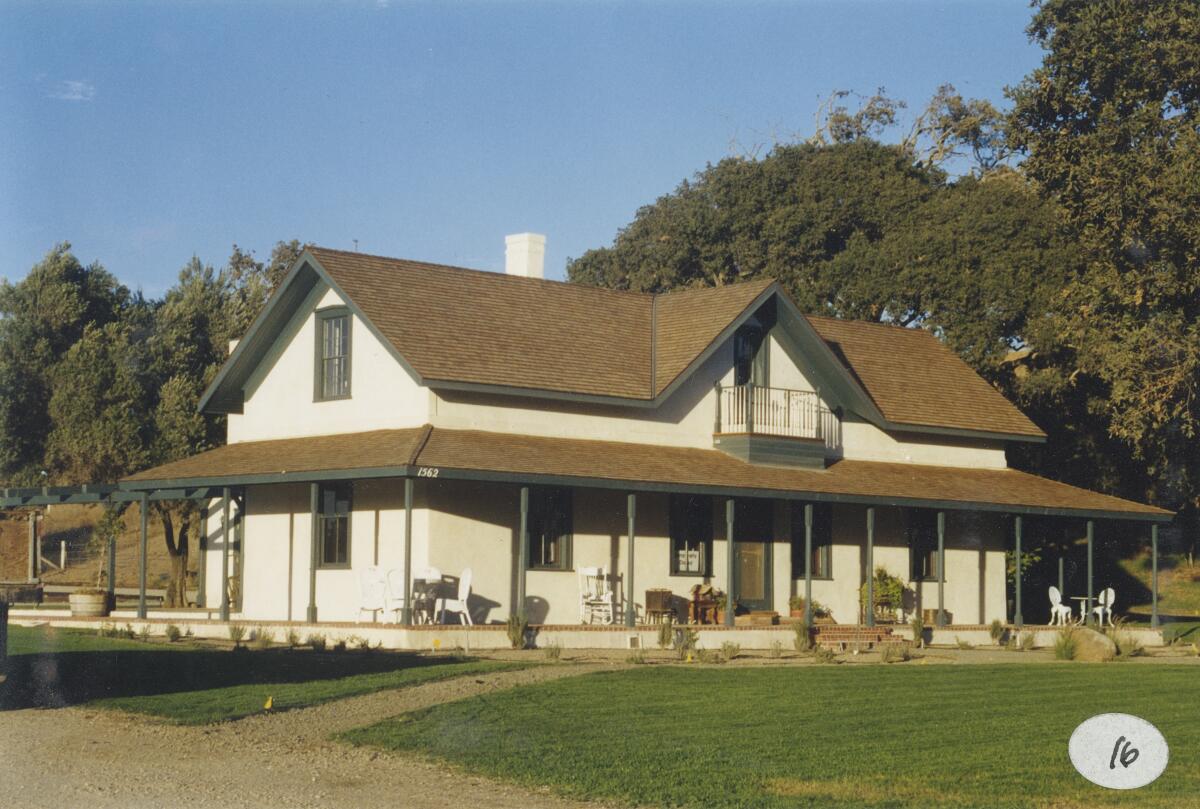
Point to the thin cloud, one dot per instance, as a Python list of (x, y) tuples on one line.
[(73, 91)]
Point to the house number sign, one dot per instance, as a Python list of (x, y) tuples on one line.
[(1118, 751), (427, 471)]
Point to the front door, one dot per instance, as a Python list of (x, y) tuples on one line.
[(753, 530)]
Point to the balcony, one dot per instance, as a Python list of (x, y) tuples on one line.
[(774, 426)]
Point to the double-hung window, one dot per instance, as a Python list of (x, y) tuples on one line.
[(550, 528), (921, 530), (333, 354), (691, 534), (822, 541), (333, 524)]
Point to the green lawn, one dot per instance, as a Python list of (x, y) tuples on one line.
[(193, 684), (829, 736)]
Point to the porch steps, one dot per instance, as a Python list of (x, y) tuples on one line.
[(844, 638)]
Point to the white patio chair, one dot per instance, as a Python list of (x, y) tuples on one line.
[(372, 591), (459, 604), (1060, 613), (595, 596), (1104, 605), (394, 603)]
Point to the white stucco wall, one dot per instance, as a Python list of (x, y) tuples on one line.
[(863, 441), (279, 393)]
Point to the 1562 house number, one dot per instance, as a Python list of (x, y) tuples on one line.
[(427, 471)]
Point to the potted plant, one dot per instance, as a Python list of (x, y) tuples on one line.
[(820, 613), (94, 601), (888, 596)]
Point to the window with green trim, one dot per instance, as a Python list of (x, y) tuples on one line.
[(691, 532), (333, 354), (550, 528), (921, 532), (822, 541), (333, 524)]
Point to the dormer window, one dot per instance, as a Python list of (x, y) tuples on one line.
[(333, 355)]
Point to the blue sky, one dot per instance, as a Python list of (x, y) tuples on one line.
[(144, 133)]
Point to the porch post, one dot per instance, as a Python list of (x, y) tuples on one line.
[(941, 569), (1017, 618), (239, 561), (630, 602), (1060, 576), (224, 580), (870, 608), (143, 508), (408, 576), (1154, 576), (112, 571), (202, 547), (1087, 616), (808, 525), (33, 546), (522, 552), (314, 496), (729, 561)]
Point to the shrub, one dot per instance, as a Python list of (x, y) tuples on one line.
[(707, 656), (263, 637), (364, 644), (685, 641), (888, 590), (1127, 645), (517, 629), (552, 651), (143, 633), (128, 632), (292, 638), (895, 653), (1065, 644), (317, 642), (963, 644), (340, 646), (996, 630), (637, 657), (237, 633), (918, 628), (1026, 642), (730, 650), (776, 650), (823, 655), (173, 633), (803, 640), (666, 634)]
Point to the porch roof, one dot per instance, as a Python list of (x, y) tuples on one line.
[(475, 455)]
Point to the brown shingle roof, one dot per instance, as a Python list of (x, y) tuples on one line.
[(913, 378), (473, 452)]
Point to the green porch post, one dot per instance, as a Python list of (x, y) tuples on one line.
[(112, 571), (729, 516), (314, 505), (808, 526), (870, 608), (941, 569), (522, 552), (224, 580), (1154, 576), (1087, 615), (408, 577), (34, 551), (1061, 591), (143, 508), (1017, 618), (239, 561), (630, 603)]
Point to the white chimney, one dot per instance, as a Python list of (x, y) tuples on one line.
[(525, 254)]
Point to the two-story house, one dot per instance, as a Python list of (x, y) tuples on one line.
[(392, 414)]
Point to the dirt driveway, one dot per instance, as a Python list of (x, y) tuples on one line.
[(80, 757)]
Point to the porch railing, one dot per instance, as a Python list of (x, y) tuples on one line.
[(771, 411)]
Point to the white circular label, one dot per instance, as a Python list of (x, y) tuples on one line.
[(1118, 751)]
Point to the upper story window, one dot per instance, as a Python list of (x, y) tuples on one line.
[(333, 355), (691, 534), (550, 528), (749, 355)]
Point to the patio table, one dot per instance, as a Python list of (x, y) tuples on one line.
[(1083, 617), (425, 595)]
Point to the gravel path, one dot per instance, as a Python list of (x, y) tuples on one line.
[(77, 756)]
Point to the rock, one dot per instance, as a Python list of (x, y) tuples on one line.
[(1092, 646)]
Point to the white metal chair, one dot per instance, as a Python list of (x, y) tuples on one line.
[(459, 604), (595, 596), (394, 602), (1104, 606), (1060, 613), (372, 591)]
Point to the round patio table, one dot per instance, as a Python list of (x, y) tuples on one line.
[(425, 596)]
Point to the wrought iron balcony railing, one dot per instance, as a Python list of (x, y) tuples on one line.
[(759, 410)]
